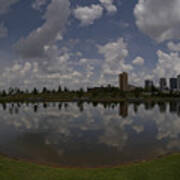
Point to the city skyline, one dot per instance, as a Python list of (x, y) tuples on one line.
[(86, 43), (164, 84), (172, 84)]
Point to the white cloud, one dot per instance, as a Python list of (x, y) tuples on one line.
[(34, 44), (173, 47), (168, 65), (109, 6), (114, 61), (3, 31), (58, 67), (114, 51), (26, 68), (160, 19), (87, 15), (138, 61), (137, 78)]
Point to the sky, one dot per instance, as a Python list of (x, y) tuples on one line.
[(86, 43)]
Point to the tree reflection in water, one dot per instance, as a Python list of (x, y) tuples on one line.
[(90, 133)]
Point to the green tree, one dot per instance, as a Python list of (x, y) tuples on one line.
[(4, 93), (66, 89), (35, 91), (59, 89), (44, 90)]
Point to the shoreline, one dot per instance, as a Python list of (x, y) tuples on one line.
[(161, 168), (55, 165), (90, 100)]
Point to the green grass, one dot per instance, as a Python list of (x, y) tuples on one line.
[(167, 168)]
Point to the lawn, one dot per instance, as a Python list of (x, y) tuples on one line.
[(167, 168)]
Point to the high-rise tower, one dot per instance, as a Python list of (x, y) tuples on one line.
[(173, 83), (163, 83), (123, 81), (178, 82)]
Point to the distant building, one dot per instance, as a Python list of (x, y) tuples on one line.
[(131, 87), (94, 89), (148, 84), (163, 84), (123, 81), (173, 83), (178, 82)]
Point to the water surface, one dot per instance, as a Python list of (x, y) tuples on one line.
[(89, 135)]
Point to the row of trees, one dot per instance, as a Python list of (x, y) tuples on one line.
[(107, 91), (17, 91)]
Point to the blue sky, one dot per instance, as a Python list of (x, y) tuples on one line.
[(87, 42)]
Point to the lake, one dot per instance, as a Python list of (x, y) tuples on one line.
[(89, 135)]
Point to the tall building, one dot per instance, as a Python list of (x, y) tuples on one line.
[(173, 83), (178, 82), (163, 83), (123, 81), (148, 84)]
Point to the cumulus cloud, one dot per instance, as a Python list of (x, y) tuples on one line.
[(168, 65), (114, 51), (173, 47), (19, 74), (138, 61), (34, 44), (3, 31), (88, 14), (114, 60), (109, 6), (57, 68), (115, 54), (160, 19)]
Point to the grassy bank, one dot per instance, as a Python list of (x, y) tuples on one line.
[(167, 168)]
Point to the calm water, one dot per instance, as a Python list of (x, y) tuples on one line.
[(89, 135)]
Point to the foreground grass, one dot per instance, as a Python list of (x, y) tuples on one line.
[(162, 169)]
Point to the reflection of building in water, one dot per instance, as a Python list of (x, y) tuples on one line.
[(178, 108), (173, 107), (123, 109), (162, 107)]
